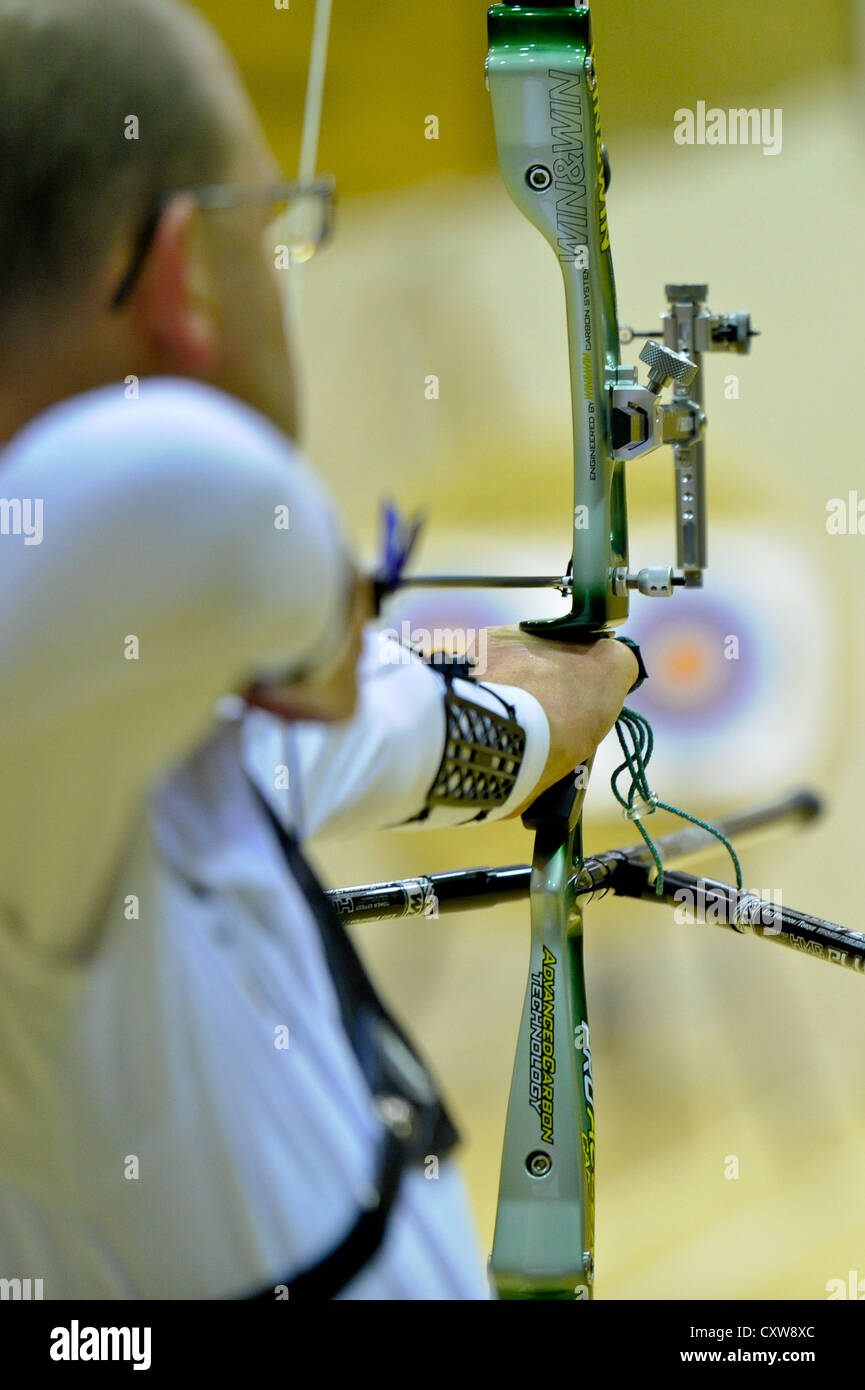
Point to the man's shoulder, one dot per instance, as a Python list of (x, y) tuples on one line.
[(127, 423)]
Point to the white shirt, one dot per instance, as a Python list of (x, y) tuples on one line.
[(158, 1138)]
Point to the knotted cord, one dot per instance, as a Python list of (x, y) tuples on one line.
[(637, 743)]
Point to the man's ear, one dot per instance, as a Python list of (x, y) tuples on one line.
[(171, 300)]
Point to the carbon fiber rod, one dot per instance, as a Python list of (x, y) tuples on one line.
[(431, 894), (708, 902)]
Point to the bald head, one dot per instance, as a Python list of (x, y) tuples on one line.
[(104, 106)]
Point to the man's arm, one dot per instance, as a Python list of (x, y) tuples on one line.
[(184, 549), (376, 769)]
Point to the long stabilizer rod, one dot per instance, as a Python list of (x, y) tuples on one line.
[(629, 873)]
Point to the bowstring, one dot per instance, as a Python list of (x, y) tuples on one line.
[(309, 144), (314, 92), (312, 109)]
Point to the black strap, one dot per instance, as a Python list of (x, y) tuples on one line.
[(416, 1123), (643, 673), (325, 1279)]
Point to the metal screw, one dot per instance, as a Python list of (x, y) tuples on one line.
[(665, 365), (538, 177), (539, 1164)]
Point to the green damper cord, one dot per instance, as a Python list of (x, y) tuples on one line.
[(641, 800)]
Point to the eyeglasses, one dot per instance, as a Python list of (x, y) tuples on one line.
[(302, 221)]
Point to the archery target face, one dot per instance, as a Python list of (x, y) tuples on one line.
[(738, 672), (739, 669)]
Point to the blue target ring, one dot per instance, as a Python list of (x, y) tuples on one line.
[(705, 661)]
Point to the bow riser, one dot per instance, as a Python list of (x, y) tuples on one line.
[(544, 93), (543, 87)]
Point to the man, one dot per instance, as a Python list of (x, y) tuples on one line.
[(200, 1095)]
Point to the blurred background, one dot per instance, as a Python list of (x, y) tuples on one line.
[(706, 1046)]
